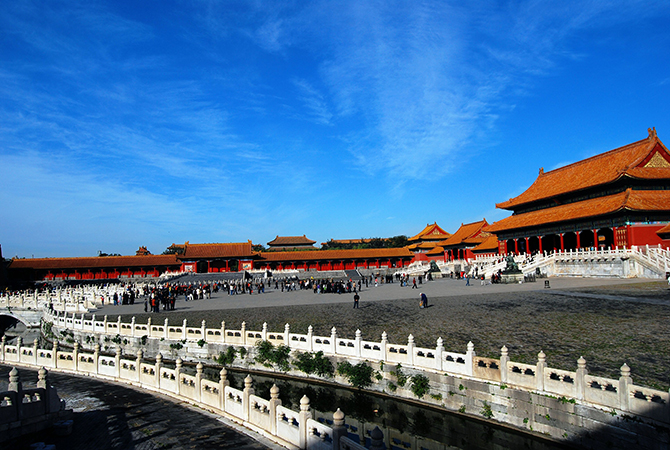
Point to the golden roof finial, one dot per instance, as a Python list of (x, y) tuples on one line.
[(541, 170), (652, 132)]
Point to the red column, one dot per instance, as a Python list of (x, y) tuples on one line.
[(562, 246), (578, 243), (209, 266), (595, 239), (516, 246), (527, 246), (614, 238), (539, 240)]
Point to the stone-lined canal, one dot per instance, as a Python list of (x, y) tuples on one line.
[(111, 416)]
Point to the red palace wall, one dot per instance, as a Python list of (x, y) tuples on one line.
[(639, 234)]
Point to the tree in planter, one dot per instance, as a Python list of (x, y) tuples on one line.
[(359, 376)]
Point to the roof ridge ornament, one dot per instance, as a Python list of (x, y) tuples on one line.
[(652, 133), (541, 170)]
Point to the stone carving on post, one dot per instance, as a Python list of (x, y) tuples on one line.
[(338, 428), (410, 349), (358, 343), (246, 392), (439, 349), (624, 382), (274, 402), (138, 364), (305, 414), (198, 381), (75, 356), (504, 359), (470, 359), (157, 370), (384, 344), (333, 341), (177, 374), (539, 372), (117, 361), (580, 378), (223, 382)]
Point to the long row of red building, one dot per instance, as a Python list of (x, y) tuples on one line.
[(618, 198)]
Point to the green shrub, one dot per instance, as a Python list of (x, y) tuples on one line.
[(201, 343), (359, 376), (314, 363), (269, 355), (420, 385), (227, 358), (486, 410), (400, 376)]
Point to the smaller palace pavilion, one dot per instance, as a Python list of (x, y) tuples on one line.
[(281, 243), (461, 244), (427, 239), (616, 199)]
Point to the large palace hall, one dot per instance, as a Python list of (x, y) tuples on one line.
[(619, 198)]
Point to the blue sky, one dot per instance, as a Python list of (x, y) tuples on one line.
[(146, 123)]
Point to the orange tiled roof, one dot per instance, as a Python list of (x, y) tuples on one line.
[(664, 231), (426, 245), (629, 199), (95, 262), (287, 241), (337, 254), (466, 231), (489, 244), (232, 250), (435, 251), (431, 232), (647, 158)]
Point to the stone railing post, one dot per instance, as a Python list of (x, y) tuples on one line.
[(264, 331), (117, 361), (274, 402), (203, 330), (54, 354), (183, 329), (358, 343), (243, 332), (383, 346), (19, 344), (539, 371), (305, 414), (138, 364), (198, 382), (157, 370), (3, 343), (104, 324), (246, 392), (223, 382), (580, 378), (338, 428), (75, 356), (333, 341), (118, 325), (36, 347), (149, 327), (470, 359), (439, 349), (177, 375), (165, 329), (410, 349), (132, 326), (310, 338), (223, 331), (624, 386), (377, 439), (504, 359), (287, 337)]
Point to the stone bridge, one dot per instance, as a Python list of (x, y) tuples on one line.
[(29, 317)]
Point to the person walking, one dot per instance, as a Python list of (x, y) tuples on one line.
[(356, 299), (414, 286)]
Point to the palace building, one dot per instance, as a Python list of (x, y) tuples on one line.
[(281, 243), (619, 198)]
